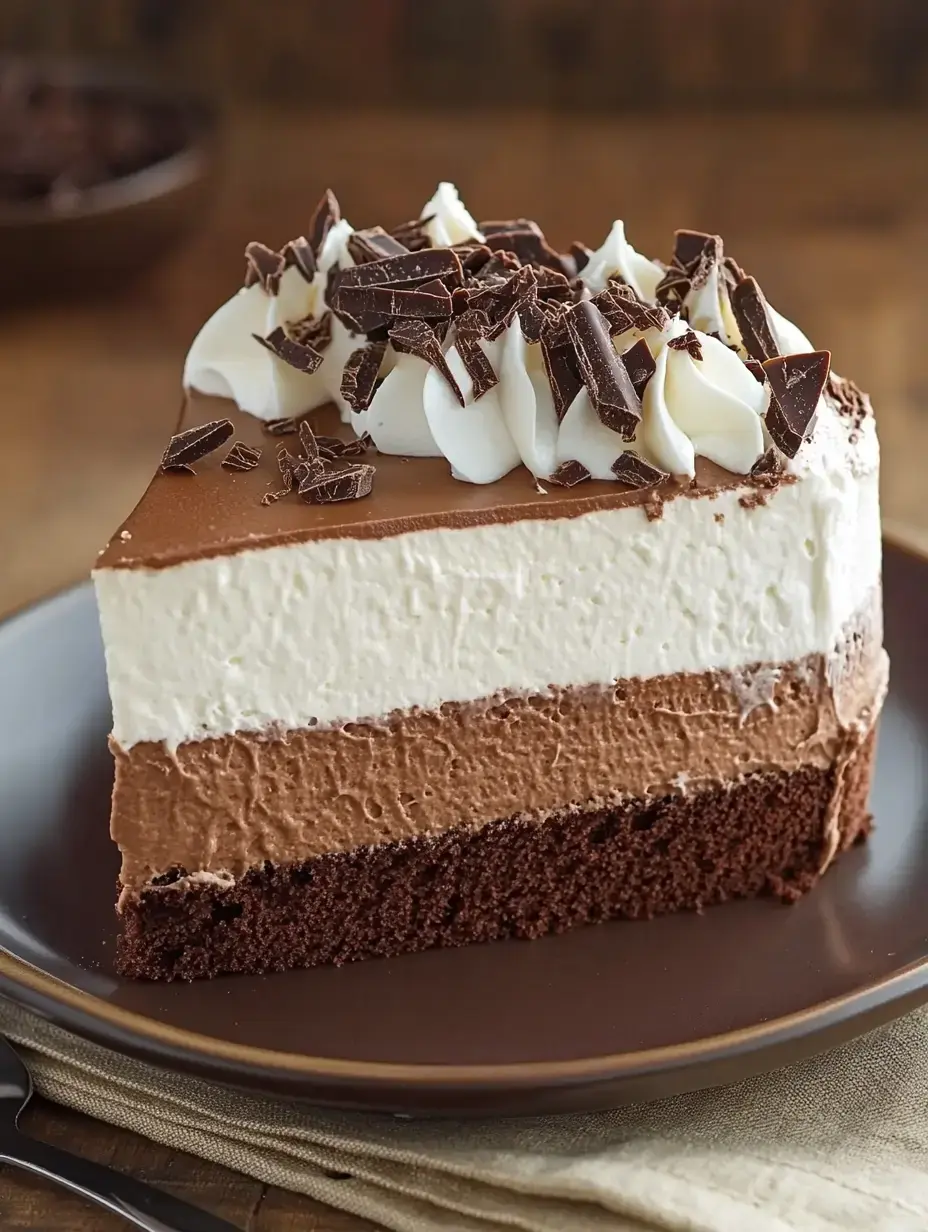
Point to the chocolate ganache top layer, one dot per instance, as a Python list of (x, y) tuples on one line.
[(329, 395)]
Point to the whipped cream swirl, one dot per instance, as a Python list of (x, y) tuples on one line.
[(701, 400)]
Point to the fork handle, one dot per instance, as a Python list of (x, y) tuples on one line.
[(140, 1204)]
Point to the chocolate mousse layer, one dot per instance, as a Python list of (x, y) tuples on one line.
[(771, 832), (220, 807)]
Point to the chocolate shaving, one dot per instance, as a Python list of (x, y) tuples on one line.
[(187, 447), (696, 253), (241, 457), (308, 442), (532, 318), (688, 342), (409, 270), (631, 469), (473, 257), (607, 381), (430, 301), (769, 464), (750, 309), (325, 216), (796, 384), (756, 370), (286, 464), (417, 338), (332, 447), (359, 378), (552, 284), (304, 358), (373, 244), (560, 361), (581, 255), (315, 332), (337, 481), (469, 328), (299, 253), (569, 474), (639, 363), (527, 241), (263, 266), (281, 427), (623, 310), (413, 234)]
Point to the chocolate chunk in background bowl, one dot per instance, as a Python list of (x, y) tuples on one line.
[(640, 365), (606, 378), (304, 358), (187, 447), (569, 474), (796, 384), (750, 309), (631, 469), (359, 377)]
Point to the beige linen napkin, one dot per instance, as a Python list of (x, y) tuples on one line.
[(839, 1142)]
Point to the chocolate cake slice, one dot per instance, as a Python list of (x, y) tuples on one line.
[(485, 591)]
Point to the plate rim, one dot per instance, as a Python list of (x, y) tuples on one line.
[(125, 1030)]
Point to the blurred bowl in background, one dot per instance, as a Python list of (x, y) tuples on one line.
[(101, 174)]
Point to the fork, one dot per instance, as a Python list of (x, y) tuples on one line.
[(140, 1204)]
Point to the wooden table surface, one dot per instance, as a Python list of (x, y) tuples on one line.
[(829, 211)]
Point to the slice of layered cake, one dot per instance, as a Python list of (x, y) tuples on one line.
[(486, 590)]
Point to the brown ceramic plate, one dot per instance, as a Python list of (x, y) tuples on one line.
[(602, 1016)]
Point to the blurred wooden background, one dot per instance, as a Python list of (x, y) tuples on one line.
[(641, 54)]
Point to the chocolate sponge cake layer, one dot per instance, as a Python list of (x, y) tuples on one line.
[(769, 833)]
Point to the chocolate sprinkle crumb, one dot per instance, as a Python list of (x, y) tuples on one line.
[(325, 216), (297, 354), (241, 457), (631, 469), (796, 384), (569, 474), (688, 342), (186, 447), (417, 338), (607, 380), (849, 400), (768, 464), (750, 309), (640, 365), (359, 377)]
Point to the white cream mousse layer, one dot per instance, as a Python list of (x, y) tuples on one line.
[(337, 630)]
